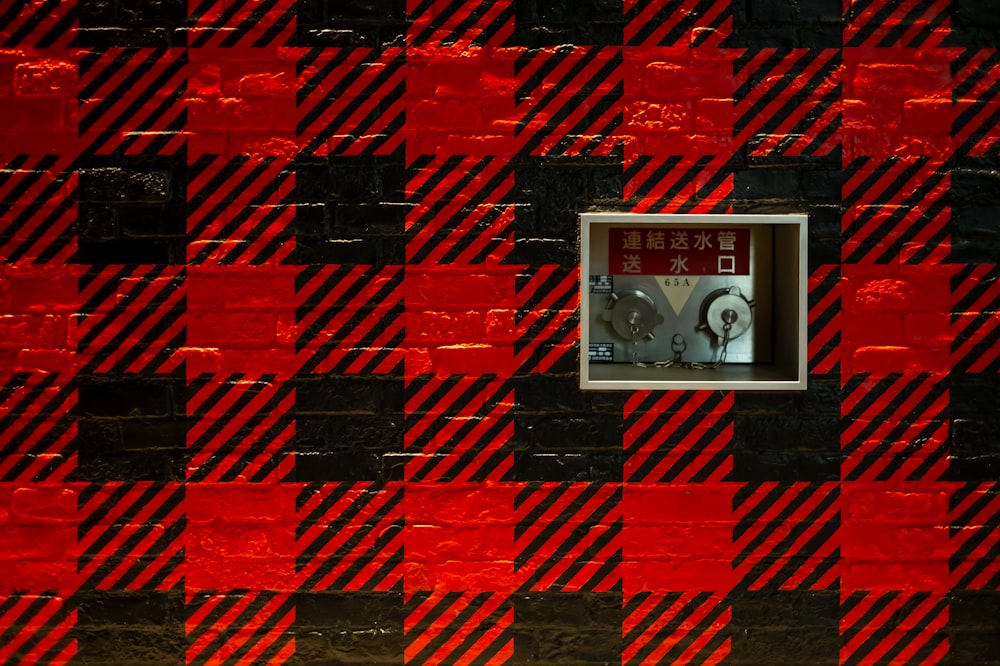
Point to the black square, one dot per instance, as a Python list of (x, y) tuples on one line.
[(771, 628), (369, 23), (568, 627), (349, 627), (539, 23), (132, 23), (130, 627)]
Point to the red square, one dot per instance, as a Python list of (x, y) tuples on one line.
[(894, 537), (240, 536), (243, 316), (677, 537), (38, 538), (459, 101), (459, 537), (460, 320)]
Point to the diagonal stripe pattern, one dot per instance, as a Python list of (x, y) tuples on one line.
[(131, 536), (132, 100), (350, 536), (41, 24), (548, 301), (244, 23), (460, 24), (243, 429), (676, 628), (894, 427), (458, 628), (678, 436), (688, 23), (895, 206), (461, 210), (38, 207), (36, 629), (893, 627), (824, 320), (239, 210), (974, 517), (349, 319), (976, 96), (568, 537), (568, 101), (350, 101), (459, 429), (680, 183), (786, 536), (239, 627), (37, 431), (142, 306), (975, 319), (894, 23)]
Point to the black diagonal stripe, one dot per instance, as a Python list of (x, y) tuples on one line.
[(284, 609), (323, 320), (167, 349), (552, 125), (333, 496), (441, 606), (47, 225), (171, 533), (871, 395), (107, 291), (198, 12), (324, 72), (889, 630), (989, 125), (964, 88), (877, 20), (30, 210), (566, 83), (435, 24), (865, 621), (792, 102), (981, 564), (459, 408), (689, 176), (266, 223), (530, 302), (552, 495), (38, 421), (216, 395), (961, 339), (792, 566), (29, 399), (928, 454), (271, 247), (679, 622), (586, 124), (115, 498), (369, 92), (641, 35), (129, 89), (232, 8), (127, 516), (549, 64), (978, 288), (936, 22), (907, 234), (15, 625), (887, 408), (980, 534), (591, 554), (222, 605), (900, 26), (493, 29), (320, 292), (375, 522), (244, 461), (458, 188), (261, 10), (379, 548), (168, 103), (701, 37), (560, 550), (754, 78), (249, 614), (684, 25), (216, 182), (446, 633), (643, 625), (779, 521), (276, 27), (27, 180), (690, 456), (106, 73), (391, 99), (690, 637), (466, 459), (245, 184), (450, 164), (127, 330), (743, 495), (235, 410)]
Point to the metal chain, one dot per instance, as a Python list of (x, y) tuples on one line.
[(678, 349)]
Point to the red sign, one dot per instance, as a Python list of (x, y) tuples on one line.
[(673, 251)]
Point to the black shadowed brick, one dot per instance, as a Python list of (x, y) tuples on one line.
[(567, 627), (130, 627), (785, 627), (787, 24), (976, 236), (973, 628), (354, 627), (974, 405), (370, 23), (132, 23), (540, 23)]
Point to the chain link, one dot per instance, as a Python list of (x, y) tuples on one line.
[(678, 349)]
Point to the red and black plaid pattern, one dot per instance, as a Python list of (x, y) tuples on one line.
[(288, 327)]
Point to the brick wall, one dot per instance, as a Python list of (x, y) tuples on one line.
[(288, 301)]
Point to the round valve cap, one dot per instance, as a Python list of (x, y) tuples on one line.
[(728, 306), (633, 308)]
